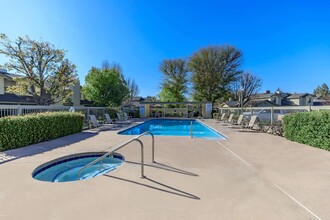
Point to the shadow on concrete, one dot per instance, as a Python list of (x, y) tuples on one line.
[(42, 147), (174, 191), (165, 167), (250, 131), (111, 127)]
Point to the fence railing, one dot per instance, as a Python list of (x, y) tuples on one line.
[(271, 113), (13, 110)]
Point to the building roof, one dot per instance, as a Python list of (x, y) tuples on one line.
[(231, 103), (13, 98), (7, 75), (286, 102), (137, 99), (298, 95), (254, 103), (285, 95), (174, 103), (265, 95)]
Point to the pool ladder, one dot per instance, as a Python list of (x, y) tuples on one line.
[(115, 148)]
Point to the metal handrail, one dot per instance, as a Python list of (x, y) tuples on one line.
[(113, 149), (191, 131)]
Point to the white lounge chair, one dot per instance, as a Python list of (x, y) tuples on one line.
[(229, 121), (126, 116), (93, 122), (121, 119), (222, 118), (252, 122), (108, 119), (238, 123)]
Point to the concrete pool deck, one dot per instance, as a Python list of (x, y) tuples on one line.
[(249, 176)]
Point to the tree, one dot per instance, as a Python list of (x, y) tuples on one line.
[(174, 81), (133, 89), (322, 90), (166, 96), (247, 86), (213, 70), (151, 99), (106, 86), (46, 74)]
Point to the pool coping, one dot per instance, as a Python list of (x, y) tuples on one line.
[(66, 158), (187, 119)]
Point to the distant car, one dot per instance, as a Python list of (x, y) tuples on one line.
[(265, 114)]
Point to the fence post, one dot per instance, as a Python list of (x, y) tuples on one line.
[(19, 110), (87, 119), (309, 108), (272, 116)]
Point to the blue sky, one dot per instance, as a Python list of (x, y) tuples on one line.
[(286, 43)]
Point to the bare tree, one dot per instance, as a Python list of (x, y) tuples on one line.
[(246, 87), (133, 89)]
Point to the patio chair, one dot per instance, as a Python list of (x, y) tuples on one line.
[(108, 119), (276, 127), (93, 122), (229, 121), (126, 116), (238, 123), (252, 123), (222, 118), (121, 119)]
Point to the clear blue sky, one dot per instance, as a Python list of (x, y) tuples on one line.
[(286, 43)]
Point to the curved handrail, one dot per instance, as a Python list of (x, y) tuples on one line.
[(113, 149)]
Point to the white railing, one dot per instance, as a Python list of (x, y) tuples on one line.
[(13, 110), (272, 111)]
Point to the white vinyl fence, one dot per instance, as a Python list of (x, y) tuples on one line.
[(271, 113), (12, 110)]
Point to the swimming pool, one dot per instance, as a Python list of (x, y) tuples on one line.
[(66, 168), (174, 127)]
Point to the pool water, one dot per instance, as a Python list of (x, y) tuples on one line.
[(64, 170), (174, 127)]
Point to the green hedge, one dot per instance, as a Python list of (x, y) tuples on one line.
[(311, 128), (20, 131)]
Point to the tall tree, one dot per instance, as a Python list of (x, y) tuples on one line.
[(174, 81), (213, 70), (106, 86), (133, 89), (322, 90), (247, 86), (47, 75)]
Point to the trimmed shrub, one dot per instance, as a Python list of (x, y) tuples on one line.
[(311, 128), (20, 131)]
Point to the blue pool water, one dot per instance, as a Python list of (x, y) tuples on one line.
[(174, 127), (67, 168)]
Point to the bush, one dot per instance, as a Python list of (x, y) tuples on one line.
[(312, 128), (20, 131)]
